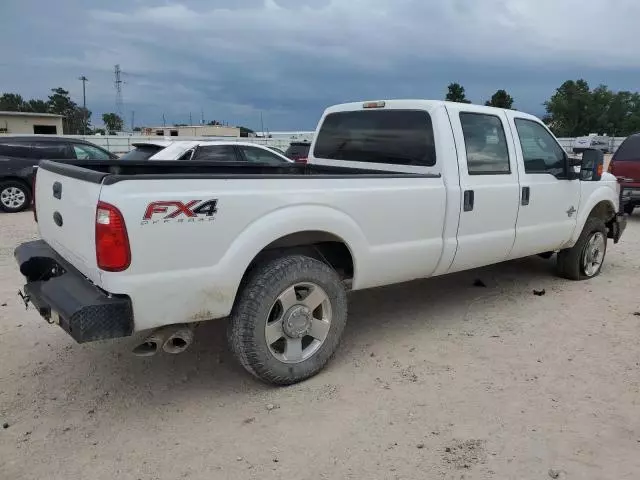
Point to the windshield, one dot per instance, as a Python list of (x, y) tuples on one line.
[(141, 152)]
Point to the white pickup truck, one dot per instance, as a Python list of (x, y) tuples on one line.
[(394, 191)]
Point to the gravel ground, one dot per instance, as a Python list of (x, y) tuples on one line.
[(438, 379)]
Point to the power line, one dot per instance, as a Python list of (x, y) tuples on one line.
[(118, 84)]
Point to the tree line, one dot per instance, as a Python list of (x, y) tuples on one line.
[(575, 109)]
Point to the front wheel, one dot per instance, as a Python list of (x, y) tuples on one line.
[(584, 260), (628, 208), (288, 319)]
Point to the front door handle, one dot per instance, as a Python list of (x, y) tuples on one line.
[(526, 195), (468, 200)]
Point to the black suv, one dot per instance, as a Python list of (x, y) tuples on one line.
[(298, 151), (18, 156)]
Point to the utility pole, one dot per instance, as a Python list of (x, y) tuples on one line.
[(261, 124), (133, 116), (84, 80), (190, 120), (164, 122), (201, 116)]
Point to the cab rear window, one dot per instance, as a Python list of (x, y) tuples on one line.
[(402, 137), (629, 150)]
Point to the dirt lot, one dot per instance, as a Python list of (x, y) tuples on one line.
[(437, 379)]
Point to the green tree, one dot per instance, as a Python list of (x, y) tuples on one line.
[(74, 116), (38, 106), (500, 99), (12, 102), (455, 93), (569, 109), (576, 110), (112, 122)]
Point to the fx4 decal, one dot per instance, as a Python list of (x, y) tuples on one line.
[(175, 211)]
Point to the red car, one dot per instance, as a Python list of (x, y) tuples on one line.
[(625, 165)]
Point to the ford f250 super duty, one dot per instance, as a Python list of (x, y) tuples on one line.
[(394, 191)]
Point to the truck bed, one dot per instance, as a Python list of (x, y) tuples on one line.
[(114, 171)]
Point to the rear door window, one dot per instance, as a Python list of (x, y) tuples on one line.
[(52, 150), (486, 144), (402, 137), (259, 155), (215, 153), (16, 150), (629, 150)]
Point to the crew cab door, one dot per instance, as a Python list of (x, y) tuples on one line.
[(489, 186), (548, 200)]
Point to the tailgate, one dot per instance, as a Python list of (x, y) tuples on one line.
[(628, 172), (66, 200)]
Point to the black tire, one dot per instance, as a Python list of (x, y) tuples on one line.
[(253, 308), (628, 209), (570, 261), (7, 186)]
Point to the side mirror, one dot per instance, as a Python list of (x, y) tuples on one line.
[(592, 165)]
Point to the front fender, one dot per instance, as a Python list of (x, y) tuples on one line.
[(589, 201)]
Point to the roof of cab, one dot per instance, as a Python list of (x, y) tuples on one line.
[(421, 104)]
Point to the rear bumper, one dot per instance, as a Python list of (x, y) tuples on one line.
[(630, 195), (64, 296)]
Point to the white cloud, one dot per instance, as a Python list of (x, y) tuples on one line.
[(356, 31)]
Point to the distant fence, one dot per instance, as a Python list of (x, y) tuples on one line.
[(614, 143)]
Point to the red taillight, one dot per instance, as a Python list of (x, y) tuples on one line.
[(610, 168), (112, 242)]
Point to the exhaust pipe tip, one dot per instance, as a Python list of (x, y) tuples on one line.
[(151, 345), (178, 341), (146, 349)]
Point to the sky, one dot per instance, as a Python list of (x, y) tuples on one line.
[(233, 60)]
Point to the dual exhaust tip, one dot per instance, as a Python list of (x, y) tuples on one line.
[(172, 339)]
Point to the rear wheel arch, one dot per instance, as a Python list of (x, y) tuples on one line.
[(324, 246)]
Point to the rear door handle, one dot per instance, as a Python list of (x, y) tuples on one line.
[(526, 195), (57, 190), (468, 200)]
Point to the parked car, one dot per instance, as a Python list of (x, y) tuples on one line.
[(625, 165), (393, 191), (204, 150), (298, 151), (145, 150), (593, 141), (19, 154), (278, 150)]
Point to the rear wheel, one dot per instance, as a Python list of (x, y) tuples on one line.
[(628, 208), (584, 260), (14, 196), (288, 319)]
